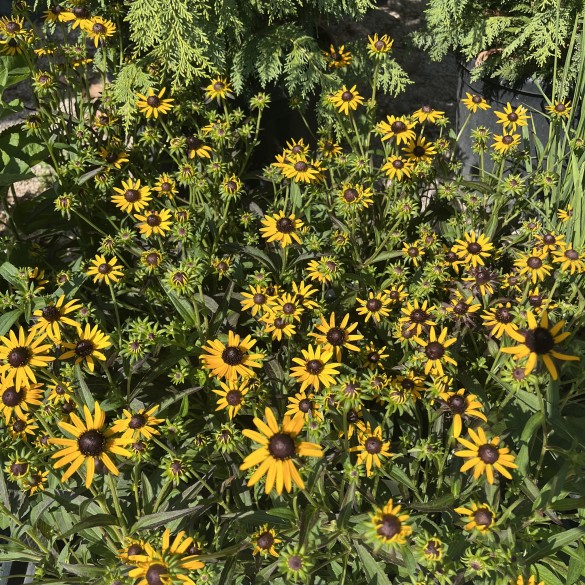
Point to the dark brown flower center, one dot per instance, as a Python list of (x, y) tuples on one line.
[(296, 149), (132, 195), (419, 316), (394, 295), (218, 86), (488, 453), (259, 299), (398, 164), (476, 99), (389, 526), (19, 468), (450, 256), (535, 300), (98, 28), (84, 347), (51, 313), (19, 426), (433, 548), (347, 96), (373, 445), (288, 308), (512, 116), (379, 45), (539, 340), (314, 367), (19, 356), (518, 374), (534, 262), (504, 316), (507, 140), (473, 248), (295, 563), (135, 549), (281, 446), (11, 397), (398, 126), (153, 220), (427, 109), (152, 259), (434, 350), (91, 443), (279, 323), (233, 397), (305, 405), (265, 540), (482, 276), (81, 12), (137, 421), (232, 356), (104, 269), (285, 225), (560, 107), (460, 308), (12, 27), (153, 101), (549, 239), (374, 305), (572, 254), (222, 266), (301, 166), (483, 517), (336, 336), (352, 416), (155, 573), (457, 404), (413, 251), (419, 151), (350, 195)]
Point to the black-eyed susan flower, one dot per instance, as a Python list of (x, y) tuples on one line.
[(35, 481), (323, 270), (304, 294), (539, 341), (232, 359), (60, 391), (218, 89), (433, 549), (136, 425), (279, 444), (372, 449), (482, 280), (379, 46), (55, 14), (256, 300), (154, 222), (352, 196), (534, 265), (499, 319), (565, 214), (99, 29), (88, 347), (337, 58), (77, 16), (278, 325), (314, 368), (461, 406), (302, 170), (427, 114), (461, 307), (21, 428), (232, 396), (281, 228), (17, 402), (374, 356), (132, 197), (436, 351), (530, 581), (419, 150), (346, 100), (195, 147), (287, 306), (17, 467), (387, 526), (397, 127), (396, 294), (550, 241), (304, 405), (153, 104), (333, 337), (231, 186), (171, 564), (91, 442), (295, 564), (559, 109), (474, 102), (479, 517), (165, 186), (473, 249), (512, 118), (264, 541), (113, 157), (417, 317), (20, 354), (570, 260), (375, 307), (51, 318), (484, 456), (397, 167), (329, 148), (151, 259), (103, 270), (505, 142)]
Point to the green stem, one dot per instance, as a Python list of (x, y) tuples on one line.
[(116, 500)]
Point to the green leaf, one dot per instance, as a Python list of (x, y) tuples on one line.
[(568, 504), (534, 422), (184, 308), (162, 518), (439, 505), (373, 570), (10, 273), (91, 522), (84, 390), (556, 542), (8, 319)]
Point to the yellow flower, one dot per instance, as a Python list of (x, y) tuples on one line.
[(132, 197), (301, 170), (196, 147), (165, 186), (333, 337), (379, 46), (505, 142), (436, 352), (218, 89), (485, 456), (98, 29), (154, 222), (281, 228), (565, 214), (531, 581), (88, 347), (511, 118), (278, 324), (500, 319), (374, 307), (534, 265), (570, 260), (105, 270), (303, 405), (16, 402), (232, 396), (337, 58), (397, 167), (474, 102), (51, 317), (264, 540), (19, 355), (346, 99), (138, 425), (539, 341), (231, 360), (153, 104), (279, 444), (91, 442), (313, 369), (397, 127), (388, 525), (256, 300), (559, 109), (473, 249), (372, 448), (427, 114), (461, 405), (417, 317), (478, 516)]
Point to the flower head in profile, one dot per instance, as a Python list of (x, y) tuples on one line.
[(485, 456), (153, 104), (539, 341), (279, 444), (233, 359), (427, 114), (19, 354), (91, 442)]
